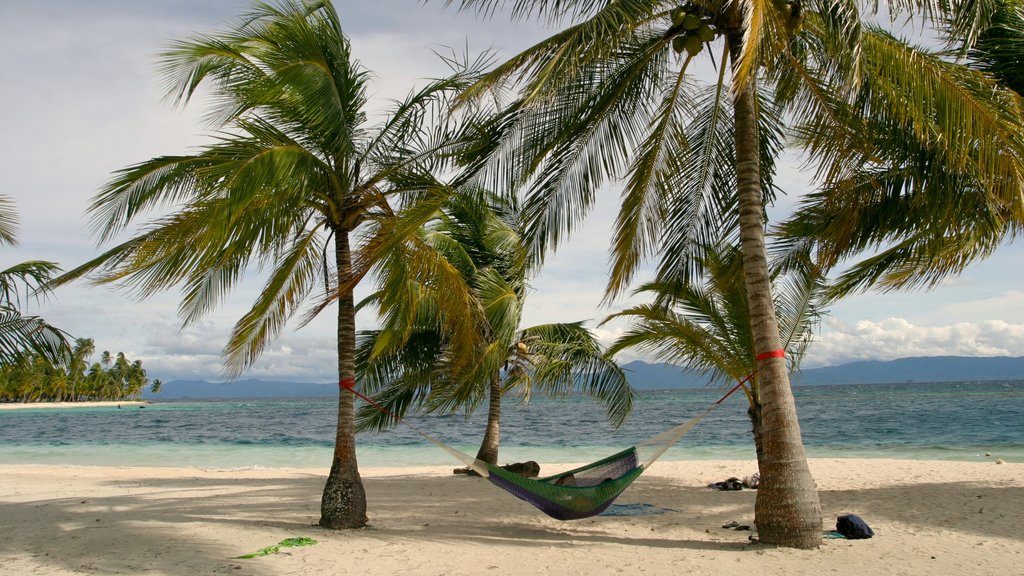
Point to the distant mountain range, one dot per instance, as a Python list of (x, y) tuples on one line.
[(646, 376)]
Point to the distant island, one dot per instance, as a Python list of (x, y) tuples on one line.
[(648, 376)]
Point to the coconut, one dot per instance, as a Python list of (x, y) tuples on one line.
[(694, 44), (677, 16), (705, 33), (691, 22), (679, 44)]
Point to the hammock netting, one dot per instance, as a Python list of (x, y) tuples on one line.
[(578, 493)]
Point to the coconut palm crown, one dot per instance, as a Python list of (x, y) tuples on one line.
[(705, 327)]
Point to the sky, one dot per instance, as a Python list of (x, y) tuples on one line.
[(81, 98)]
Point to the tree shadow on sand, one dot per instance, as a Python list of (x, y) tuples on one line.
[(174, 525), (168, 524)]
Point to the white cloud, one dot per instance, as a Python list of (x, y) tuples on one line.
[(1007, 306), (893, 338)]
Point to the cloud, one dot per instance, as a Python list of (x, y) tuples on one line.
[(1008, 305), (893, 338)]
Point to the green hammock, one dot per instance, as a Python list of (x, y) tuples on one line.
[(585, 491), (578, 493)]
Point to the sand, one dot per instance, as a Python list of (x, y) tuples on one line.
[(929, 518), (96, 404)]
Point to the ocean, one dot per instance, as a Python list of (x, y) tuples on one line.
[(979, 421)]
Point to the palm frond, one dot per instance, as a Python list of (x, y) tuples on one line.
[(22, 336), (24, 281), (640, 219), (566, 358), (8, 221), (290, 282), (766, 35), (999, 47)]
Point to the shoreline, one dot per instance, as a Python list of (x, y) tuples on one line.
[(929, 517), (95, 404)]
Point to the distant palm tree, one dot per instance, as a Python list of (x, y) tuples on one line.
[(82, 351), (294, 173), (97, 381), (410, 363)]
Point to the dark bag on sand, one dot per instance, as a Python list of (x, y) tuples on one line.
[(853, 527)]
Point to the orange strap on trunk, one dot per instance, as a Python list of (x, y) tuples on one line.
[(780, 353)]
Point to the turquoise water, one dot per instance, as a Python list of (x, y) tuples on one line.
[(954, 421)]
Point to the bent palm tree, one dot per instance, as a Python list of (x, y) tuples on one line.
[(293, 172), (412, 363)]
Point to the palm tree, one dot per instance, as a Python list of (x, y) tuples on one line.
[(412, 364), (706, 327), (21, 335), (607, 98), (294, 172), (613, 96), (97, 382), (83, 349)]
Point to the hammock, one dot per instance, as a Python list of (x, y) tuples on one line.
[(585, 491), (578, 493)]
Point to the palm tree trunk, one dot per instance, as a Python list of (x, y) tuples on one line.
[(787, 511), (489, 447), (343, 504)]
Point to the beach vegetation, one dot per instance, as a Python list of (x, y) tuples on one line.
[(410, 363), (293, 180), (615, 100), (35, 378)]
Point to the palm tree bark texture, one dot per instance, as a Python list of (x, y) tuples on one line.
[(787, 509)]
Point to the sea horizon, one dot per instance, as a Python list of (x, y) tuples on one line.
[(969, 421)]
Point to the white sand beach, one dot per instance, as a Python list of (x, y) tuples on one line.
[(98, 404), (929, 518)]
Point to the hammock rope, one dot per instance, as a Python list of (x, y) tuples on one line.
[(581, 492)]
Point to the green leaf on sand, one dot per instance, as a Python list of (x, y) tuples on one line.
[(286, 543)]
